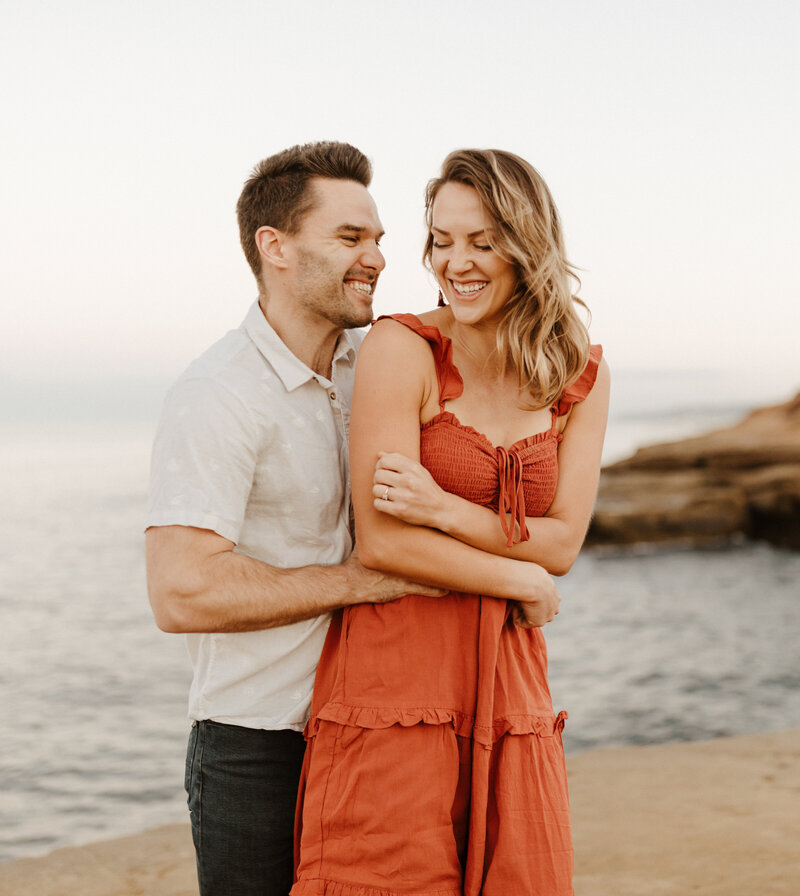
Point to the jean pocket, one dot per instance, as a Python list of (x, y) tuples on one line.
[(193, 751)]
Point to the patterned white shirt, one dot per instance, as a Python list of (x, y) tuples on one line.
[(252, 444)]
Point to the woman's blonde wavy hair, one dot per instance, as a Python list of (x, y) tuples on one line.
[(541, 334)]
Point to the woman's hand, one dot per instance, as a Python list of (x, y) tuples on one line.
[(540, 605), (404, 489)]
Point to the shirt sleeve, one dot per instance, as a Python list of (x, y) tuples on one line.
[(204, 458)]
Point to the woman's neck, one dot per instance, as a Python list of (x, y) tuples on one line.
[(478, 346)]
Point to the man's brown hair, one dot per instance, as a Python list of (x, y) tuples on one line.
[(277, 193)]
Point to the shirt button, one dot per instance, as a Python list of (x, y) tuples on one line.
[(333, 396)]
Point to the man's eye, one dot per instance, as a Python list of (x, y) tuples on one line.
[(350, 239)]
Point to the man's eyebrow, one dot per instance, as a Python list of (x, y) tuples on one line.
[(470, 235), (356, 228)]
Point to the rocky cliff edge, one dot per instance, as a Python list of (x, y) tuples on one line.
[(739, 481)]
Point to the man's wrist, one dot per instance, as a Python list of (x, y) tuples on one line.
[(354, 584)]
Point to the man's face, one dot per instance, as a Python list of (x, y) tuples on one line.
[(335, 258)]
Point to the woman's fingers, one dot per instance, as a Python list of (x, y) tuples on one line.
[(399, 463), (385, 491), (397, 476), (387, 477), (405, 489), (533, 616), (387, 507), (543, 609)]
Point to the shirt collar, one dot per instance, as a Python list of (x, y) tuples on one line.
[(346, 347), (291, 370)]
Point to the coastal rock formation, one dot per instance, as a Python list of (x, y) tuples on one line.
[(739, 481)]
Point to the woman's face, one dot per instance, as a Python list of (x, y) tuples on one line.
[(475, 280)]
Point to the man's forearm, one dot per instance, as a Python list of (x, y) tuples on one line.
[(197, 583), (239, 594)]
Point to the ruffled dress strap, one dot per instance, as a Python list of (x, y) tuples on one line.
[(582, 386), (450, 383)]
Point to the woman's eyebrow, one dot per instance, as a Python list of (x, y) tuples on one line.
[(470, 235)]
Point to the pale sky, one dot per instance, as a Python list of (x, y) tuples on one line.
[(667, 131)]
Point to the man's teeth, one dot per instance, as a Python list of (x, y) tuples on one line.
[(360, 286), (466, 289)]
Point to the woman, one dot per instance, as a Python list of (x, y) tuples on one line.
[(434, 761)]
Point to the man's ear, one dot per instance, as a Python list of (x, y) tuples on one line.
[(270, 244)]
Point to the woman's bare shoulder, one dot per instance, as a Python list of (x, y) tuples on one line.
[(390, 343), (440, 318)]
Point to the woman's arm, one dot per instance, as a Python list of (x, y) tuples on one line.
[(555, 538), (395, 377)]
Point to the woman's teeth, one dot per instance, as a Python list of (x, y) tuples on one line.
[(466, 289)]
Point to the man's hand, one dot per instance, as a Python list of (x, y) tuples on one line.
[(373, 587)]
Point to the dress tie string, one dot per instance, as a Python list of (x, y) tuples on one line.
[(512, 498)]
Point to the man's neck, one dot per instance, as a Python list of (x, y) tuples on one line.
[(312, 341)]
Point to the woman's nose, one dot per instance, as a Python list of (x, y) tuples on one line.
[(459, 260)]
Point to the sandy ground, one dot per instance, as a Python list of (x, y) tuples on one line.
[(720, 818)]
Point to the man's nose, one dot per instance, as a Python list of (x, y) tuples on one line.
[(373, 257)]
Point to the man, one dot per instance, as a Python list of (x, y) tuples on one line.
[(249, 536)]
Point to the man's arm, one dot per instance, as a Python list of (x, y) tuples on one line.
[(198, 583)]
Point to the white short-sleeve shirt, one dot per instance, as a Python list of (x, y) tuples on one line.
[(252, 444)]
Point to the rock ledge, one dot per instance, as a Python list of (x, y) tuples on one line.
[(739, 481)]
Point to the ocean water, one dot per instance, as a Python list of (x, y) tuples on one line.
[(651, 645)]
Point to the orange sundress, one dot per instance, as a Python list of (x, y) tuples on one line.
[(434, 764)]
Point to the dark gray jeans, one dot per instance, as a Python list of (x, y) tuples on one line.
[(242, 787)]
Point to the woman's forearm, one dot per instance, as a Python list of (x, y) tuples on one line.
[(552, 542), (435, 558)]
